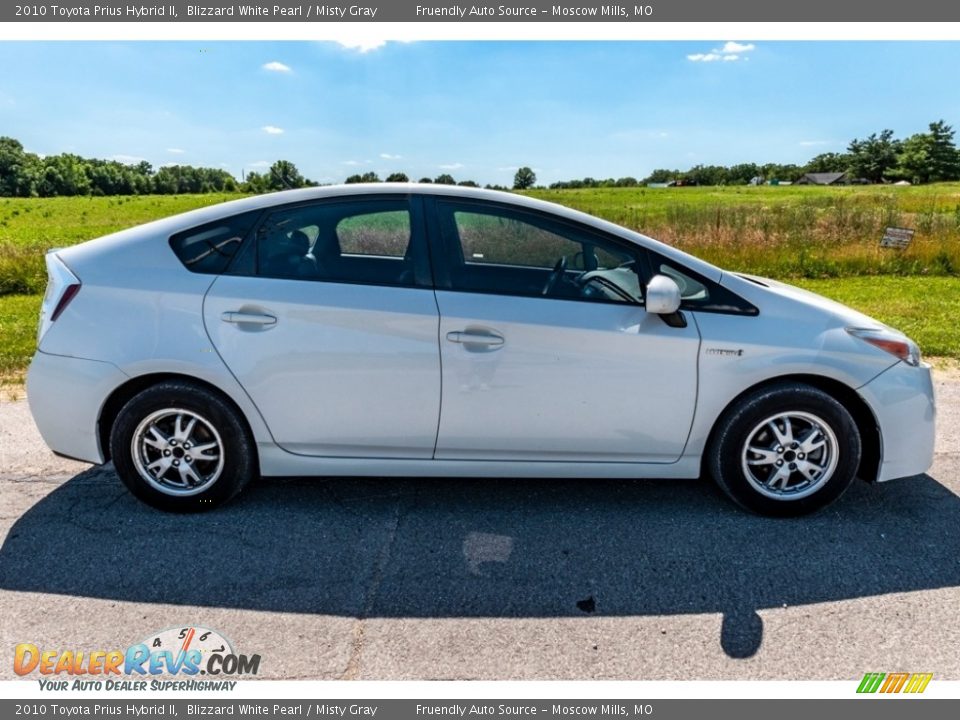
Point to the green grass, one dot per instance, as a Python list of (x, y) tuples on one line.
[(653, 205), (926, 309), (19, 315), (31, 226)]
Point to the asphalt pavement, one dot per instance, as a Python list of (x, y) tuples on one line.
[(490, 579)]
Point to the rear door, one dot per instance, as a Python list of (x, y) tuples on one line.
[(329, 322)]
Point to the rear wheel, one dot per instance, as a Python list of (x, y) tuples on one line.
[(182, 448), (785, 450)]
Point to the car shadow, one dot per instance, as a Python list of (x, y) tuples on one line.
[(439, 548)]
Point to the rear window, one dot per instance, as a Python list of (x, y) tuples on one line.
[(209, 248)]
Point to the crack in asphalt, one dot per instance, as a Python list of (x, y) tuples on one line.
[(352, 669)]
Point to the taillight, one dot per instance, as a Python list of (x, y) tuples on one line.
[(68, 294), (62, 287)]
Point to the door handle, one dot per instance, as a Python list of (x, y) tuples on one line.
[(249, 318), (466, 337)]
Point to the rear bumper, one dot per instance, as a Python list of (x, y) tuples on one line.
[(65, 396), (902, 401)]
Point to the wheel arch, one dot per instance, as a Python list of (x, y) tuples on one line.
[(863, 416), (124, 392)]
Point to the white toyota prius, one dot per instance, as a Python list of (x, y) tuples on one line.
[(423, 330)]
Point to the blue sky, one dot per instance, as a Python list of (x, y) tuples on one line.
[(474, 109)]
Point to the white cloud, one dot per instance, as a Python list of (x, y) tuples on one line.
[(176, 151), (451, 166), (351, 163), (388, 156), (813, 143), (730, 52), (275, 66), (272, 130), (735, 47), (127, 159), (363, 44), (260, 164)]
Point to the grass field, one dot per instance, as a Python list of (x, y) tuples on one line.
[(794, 231), (824, 239), (31, 226)]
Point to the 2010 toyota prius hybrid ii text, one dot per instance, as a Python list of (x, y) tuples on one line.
[(411, 330)]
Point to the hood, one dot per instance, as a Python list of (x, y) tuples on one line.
[(756, 287)]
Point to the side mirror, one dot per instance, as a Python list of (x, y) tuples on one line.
[(663, 295)]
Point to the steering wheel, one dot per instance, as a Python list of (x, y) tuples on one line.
[(555, 276)]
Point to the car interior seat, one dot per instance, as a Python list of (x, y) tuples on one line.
[(287, 256)]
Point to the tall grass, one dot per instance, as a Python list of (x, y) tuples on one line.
[(29, 227), (791, 231), (787, 232)]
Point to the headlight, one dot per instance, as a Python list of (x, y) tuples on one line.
[(900, 346)]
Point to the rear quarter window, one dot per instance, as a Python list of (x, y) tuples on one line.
[(209, 248)]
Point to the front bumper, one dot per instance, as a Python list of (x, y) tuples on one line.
[(65, 396), (902, 400)]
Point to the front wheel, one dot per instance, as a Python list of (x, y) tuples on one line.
[(182, 448), (785, 450)]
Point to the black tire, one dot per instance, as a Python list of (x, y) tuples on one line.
[(752, 478), (218, 425)]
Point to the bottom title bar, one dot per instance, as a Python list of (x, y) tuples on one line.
[(446, 709)]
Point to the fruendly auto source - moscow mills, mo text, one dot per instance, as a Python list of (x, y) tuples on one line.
[(541, 11)]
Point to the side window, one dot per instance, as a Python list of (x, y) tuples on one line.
[(699, 293), (385, 234), (509, 251), (356, 241), (488, 239), (691, 289), (209, 248)]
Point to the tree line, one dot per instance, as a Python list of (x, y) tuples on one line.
[(523, 179), (25, 174), (921, 158), (926, 157)]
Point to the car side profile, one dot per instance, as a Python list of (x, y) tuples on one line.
[(423, 330)]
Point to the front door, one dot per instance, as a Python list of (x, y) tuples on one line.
[(547, 351)]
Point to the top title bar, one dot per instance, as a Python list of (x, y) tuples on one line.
[(533, 11)]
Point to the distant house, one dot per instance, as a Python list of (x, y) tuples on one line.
[(672, 183), (833, 178)]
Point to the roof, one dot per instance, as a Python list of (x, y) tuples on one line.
[(285, 197), (212, 213)]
